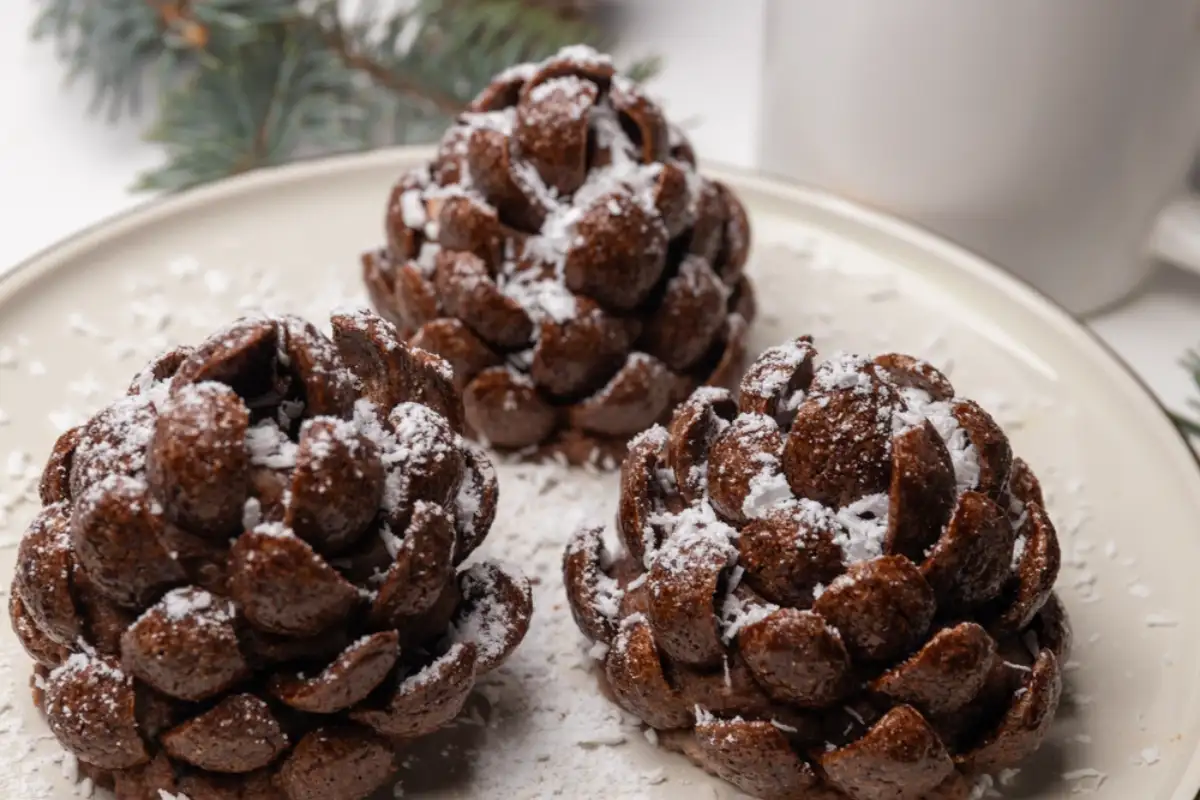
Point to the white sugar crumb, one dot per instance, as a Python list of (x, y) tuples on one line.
[(1161, 621), (1085, 781), (1148, 757), (269, 446)]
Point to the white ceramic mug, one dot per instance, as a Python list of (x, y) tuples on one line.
[(1052, 137)]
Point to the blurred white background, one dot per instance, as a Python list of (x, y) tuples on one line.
[(61, 170)]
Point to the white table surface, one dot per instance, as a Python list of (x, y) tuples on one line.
[(61, 170)]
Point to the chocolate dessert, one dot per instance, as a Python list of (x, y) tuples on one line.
[(247, 579), (838, 585), (563, 253)]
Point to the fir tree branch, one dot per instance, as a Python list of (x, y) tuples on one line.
[(386, 78), (1190, 425), (249, 83)]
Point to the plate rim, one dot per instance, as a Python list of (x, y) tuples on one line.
[(112, 226)]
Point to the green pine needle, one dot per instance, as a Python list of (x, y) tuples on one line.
[(1191, 424), (249, 83)]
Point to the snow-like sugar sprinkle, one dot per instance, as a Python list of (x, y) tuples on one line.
[(920, 407), (767, 488), (1161, 621), (736, 614), (697, 537), (861, 528), (432, 673), (412, 209), (844, 371), (273, 529), (270, 447), (251, 513)]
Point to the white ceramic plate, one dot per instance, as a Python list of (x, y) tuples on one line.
[(76, 322)]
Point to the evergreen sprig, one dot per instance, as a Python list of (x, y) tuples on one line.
[(242, 84), (1191, 424)]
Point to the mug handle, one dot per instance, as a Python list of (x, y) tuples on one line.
[(1176, 235)]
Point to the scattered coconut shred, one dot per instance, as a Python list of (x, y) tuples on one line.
[(538, 726)]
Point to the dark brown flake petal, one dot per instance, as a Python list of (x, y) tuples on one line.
[(634, 399), (328, 387), (239, 734), (494, 615), (796, 657), (551, 130), (242, 356), (671, 198), (198, 465), (683, 581), (592, 594), (336, 485), (374, 351), (743, 471), (1024, 726), (708, 226), (103, 620), (643, 119), (489, 161), (428, 699), (55, 485), (1024, 485), (787, 555), (45, 563), (185, 646), (429, 463), (946, 674), (753, 755), (641, 493), (89, 705), (776, 382), (635, 675), (251, 786), (475, 504), (355, 673), (414, 296), (282, 586), (731, 353), (900, 758), (449, 338), (468, 224), (735, 239), (424, 563), (578, 355), (40, 647), (144, 782), (694, 426), (991, 447), (468, 292), (1053, 628), (501, 93), (618, 252), (913, 373), (729, 690), (970, 563), (837, 450), (922, 493), (115, 534), (113, 442), (1037, 570), (162, 368), (689, 316), (341, 762), (881, 608), (504, 407), (263, 649)]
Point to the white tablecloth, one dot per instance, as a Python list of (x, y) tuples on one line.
[(61, 170)]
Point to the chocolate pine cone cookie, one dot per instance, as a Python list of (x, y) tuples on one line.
[(247, 579), (563, 253), (837, 586)]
